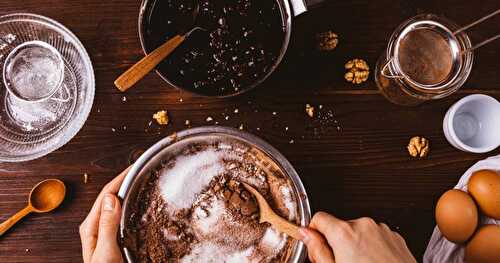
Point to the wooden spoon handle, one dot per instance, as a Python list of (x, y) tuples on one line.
[(146, 64), (284, 226), (14, 219)]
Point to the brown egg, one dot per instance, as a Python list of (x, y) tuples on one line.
[(456, 215), (484, 247), (484, 186)]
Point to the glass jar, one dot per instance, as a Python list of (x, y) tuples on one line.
[(424, 60)]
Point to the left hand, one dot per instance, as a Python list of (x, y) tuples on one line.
[(99, 230)]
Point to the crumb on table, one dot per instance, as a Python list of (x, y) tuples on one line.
[(161, 117)]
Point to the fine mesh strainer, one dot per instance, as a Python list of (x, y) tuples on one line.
[(47, 86)]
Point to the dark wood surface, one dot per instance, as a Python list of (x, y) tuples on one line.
[(360, 169)]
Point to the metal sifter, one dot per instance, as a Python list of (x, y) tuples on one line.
[(428, 57)]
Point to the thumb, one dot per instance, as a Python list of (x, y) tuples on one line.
[(317, 247), (108, 225)]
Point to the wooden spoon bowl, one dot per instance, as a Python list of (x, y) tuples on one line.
[(267, 214), (44, 197), (47, 195)]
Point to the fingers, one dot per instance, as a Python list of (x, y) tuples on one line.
[(109, 222), (115, 184), (88, 237), (394, 235), (317, 248), (386, 228), (330, 226), (89, 227), (112, 187)]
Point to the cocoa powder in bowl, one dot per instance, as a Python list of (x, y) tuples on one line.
[(192, 208)]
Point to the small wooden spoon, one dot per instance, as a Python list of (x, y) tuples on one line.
[(44, 197), (268, 215)]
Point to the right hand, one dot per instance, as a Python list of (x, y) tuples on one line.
[(329, 239)]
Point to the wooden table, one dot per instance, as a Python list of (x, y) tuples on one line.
[(353, 164)]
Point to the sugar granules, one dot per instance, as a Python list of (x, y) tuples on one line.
[(181, 184)]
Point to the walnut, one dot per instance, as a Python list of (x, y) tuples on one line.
[(161, 117), (418, 147), (327, 41), (310, 110), (357, 71)]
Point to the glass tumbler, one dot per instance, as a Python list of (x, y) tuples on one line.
[(33, 71)]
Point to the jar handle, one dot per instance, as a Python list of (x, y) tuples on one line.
[(384, 68)]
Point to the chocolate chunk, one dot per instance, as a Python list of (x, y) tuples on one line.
[(235, 200), (233, 185), (249, 207), (245, 195), (227, 194)]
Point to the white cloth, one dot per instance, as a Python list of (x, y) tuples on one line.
[(441, 250)]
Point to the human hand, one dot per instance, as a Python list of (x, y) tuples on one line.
[(99, 230), (329, 239)]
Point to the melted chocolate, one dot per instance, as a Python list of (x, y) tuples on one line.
[(242, 43)]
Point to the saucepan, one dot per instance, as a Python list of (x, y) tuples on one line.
[(288, 10)]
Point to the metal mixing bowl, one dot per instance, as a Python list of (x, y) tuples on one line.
[(152, 158)]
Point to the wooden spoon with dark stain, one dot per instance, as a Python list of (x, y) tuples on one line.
[(267, 214), (44, 197)]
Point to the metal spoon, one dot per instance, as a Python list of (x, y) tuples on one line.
[(150, 61), (44, 197), (267, 214)]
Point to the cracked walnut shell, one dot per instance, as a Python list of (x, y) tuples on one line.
[(327, 41), (418, 147), (357, 71)]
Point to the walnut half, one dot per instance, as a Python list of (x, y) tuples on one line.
[(327, 41), (418, 147), (357, 71)]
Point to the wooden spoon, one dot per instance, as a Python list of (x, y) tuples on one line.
[(44, 197), (267, 214), (150, 61)]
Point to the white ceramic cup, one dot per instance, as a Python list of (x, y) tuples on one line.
[(473, 124)]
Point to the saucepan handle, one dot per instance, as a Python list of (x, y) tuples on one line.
[(300, 6)]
